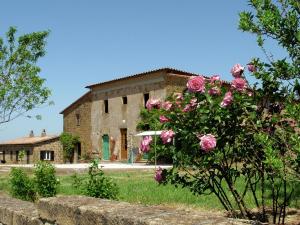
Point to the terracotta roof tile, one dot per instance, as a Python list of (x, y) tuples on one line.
[(28, 140), (167, 69)]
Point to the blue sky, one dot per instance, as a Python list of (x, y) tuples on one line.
[(96, 40)]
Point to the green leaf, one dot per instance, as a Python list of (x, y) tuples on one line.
[(298, 36)]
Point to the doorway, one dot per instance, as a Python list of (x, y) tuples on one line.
[(123, 143), (78, 151), (28, 157), (105, 147)]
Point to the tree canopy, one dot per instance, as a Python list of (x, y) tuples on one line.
[(21, 87)]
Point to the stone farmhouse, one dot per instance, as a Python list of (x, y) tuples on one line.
[(43, 147), (105, 118)]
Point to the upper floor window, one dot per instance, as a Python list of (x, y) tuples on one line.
[(124, 100), (146, 98), (106, 106), (77, 119)]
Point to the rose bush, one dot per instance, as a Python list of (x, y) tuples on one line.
[(247, 133), (220, 139), (209, 123)]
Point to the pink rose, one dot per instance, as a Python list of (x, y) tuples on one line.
[(239, 84), (153, 103), (214, 91), (145, 144), (166, 105), (227, 100), (163, 119), (196, 84), (159, 175), (193, 102), (251, 68), (237, 70), (250, 94), (178, 103), (167, 136), (187, 108), (208, 142), (178, 96), (214, 78)]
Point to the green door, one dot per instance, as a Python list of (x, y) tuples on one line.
[(105, 147)]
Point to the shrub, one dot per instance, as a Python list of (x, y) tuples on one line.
[(45, 179), (68, 142), (77, 181), (98, 185), (22, 186), (21, 155)]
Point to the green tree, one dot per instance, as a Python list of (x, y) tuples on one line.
[(21, 88), (21, 155), (277, 96), (276, 20)]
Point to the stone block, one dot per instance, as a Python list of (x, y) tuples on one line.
[(17, 212), (78, 210)]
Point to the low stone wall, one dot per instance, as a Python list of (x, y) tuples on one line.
[(78, 210), (17, 212)]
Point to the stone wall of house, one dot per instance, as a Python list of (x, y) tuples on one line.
[(10, 153), (95, 122), (50, 145), (83, 129), (77, 210), (119, 115), (175, 83)]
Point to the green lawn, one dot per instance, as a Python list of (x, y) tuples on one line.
[(140, 187)]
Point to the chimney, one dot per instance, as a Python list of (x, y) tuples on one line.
[(43, 134), (31, 134)]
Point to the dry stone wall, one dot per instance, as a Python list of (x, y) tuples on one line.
[(78, 210)]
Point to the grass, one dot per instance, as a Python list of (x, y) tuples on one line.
[(140, 187), (137, 187)]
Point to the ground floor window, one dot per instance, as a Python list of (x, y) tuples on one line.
[(47, 155)]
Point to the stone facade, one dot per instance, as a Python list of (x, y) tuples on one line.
[(33, 146), (104, 115), (77, 120), (50, 145)]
